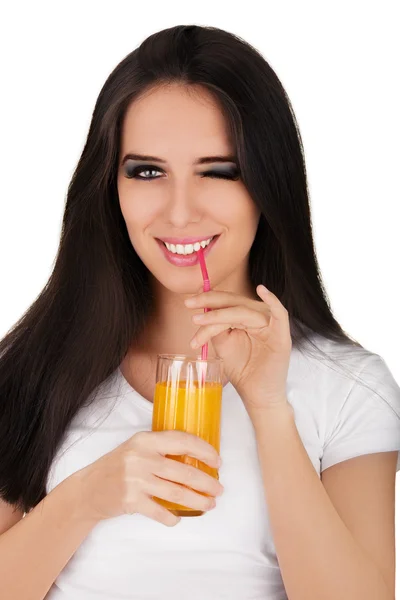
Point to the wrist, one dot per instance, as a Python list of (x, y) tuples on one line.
[(72, 490), (273, 414)]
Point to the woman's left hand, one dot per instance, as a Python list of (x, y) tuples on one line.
[(253, 339)]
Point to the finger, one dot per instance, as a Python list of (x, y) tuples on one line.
[(237, 315), (153, 510), (177, 443), (275, 305), (213, 299), (204, 334), (173, 470), (178, 494)]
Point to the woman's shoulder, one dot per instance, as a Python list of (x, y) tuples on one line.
[(332, 372), (99, 404), (334, 357), (349, 396)]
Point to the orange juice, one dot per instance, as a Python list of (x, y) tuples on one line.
[(185, 405)]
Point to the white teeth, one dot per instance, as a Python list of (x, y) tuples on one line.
[(187, 248)]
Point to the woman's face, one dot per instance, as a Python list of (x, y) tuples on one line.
[(175, 196)]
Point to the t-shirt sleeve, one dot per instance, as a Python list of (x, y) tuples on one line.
[(369, 418)]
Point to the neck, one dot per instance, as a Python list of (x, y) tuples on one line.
[(170, 327)]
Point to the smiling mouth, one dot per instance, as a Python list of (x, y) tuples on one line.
[(194, 250), (186, 260)]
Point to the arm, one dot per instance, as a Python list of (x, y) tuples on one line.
[(36, 549), (317, 554)]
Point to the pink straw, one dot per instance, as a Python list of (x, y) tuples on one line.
[(206, 288)]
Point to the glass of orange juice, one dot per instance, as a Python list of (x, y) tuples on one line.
[(188, 397)]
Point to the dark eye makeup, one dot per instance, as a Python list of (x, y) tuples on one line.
[(133, 173)]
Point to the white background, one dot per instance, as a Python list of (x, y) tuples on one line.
[(337, 61)]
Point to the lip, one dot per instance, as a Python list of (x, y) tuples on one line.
[(188, 260)]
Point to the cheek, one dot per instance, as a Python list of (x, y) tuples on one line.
[(137, 215), (250, 213), (237, 210), (136, 210)]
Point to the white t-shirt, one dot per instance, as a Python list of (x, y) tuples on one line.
[(227, 553)]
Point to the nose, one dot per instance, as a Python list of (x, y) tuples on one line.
[(182, 206)]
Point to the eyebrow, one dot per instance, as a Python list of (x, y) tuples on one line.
[(201, 161)]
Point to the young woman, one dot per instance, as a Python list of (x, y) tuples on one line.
[(193, 136)]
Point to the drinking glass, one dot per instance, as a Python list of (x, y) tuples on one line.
[(188, 397)]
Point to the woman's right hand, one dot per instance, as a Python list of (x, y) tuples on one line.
[(123, 480)]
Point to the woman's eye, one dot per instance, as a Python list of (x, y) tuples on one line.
[(222, 174), (136, 173)]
